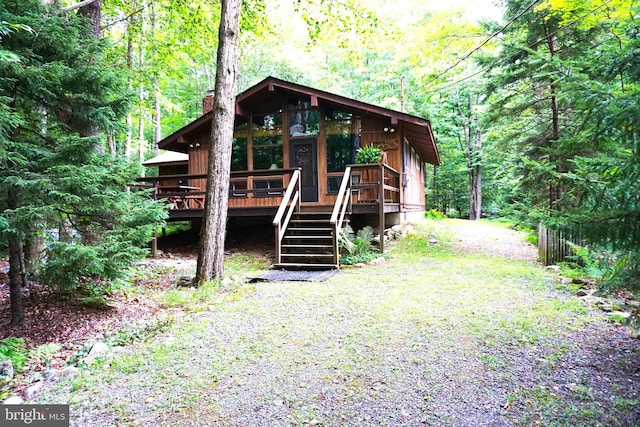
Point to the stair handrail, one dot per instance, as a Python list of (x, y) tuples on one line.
[(290, 202), (343, 201)]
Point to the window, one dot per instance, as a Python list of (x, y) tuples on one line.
[(267, 141), (343, 140), (333, 184), (239, 148), (303, 120), (182, 170), (267, 187), (238, 188)]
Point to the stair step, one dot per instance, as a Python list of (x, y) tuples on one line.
[(304, 213), (290, 255), (303, 266), (307, 246), (310, 221), (303, 237), (309, 228)]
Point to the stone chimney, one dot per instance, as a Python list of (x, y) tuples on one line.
[(207, 102)]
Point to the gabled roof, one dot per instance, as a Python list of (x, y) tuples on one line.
[(168, 158), (416, 129)]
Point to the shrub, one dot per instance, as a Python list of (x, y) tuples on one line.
[(357, 247), (453, 213), (369, 154), (15, 350), (434, 214)]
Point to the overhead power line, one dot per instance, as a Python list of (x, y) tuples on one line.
[(540, 40), (481, 45)]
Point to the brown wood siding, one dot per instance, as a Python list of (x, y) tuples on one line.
[(413, 197), (372, 133), (168, 170), (198, 160)]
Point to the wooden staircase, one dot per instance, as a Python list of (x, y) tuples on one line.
[(307, 236), (308, 242)]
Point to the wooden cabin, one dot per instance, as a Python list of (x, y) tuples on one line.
[(293, 161)]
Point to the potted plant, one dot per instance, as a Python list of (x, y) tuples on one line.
[(368, 155)]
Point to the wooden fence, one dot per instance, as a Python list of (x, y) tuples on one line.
[(554, 246)]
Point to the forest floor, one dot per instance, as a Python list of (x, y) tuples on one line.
[(466, 332)]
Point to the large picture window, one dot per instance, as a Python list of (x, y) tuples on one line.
[(343, 140), (239, 149), (267, 141), (303, 120)]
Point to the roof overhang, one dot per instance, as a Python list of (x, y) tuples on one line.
[(416, 129), (168, 158)]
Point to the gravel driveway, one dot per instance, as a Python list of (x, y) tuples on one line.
[(474, 336)]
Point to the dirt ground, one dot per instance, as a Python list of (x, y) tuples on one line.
[(600, 356), (485, 238), (53, 320)]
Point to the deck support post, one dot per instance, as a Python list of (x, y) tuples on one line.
[(154, 244)]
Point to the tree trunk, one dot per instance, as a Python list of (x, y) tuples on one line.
[(129, 119), (473, 151), (15, 266), (157, 115), (156, 83), (141, 107), (478, 174), (214, 227), (111, 141), (141, 142), (34, 249), (93, 12)]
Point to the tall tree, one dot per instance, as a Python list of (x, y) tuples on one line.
[(602, 203), (50, 171), (526, 97), (472, 135), (214, 221)]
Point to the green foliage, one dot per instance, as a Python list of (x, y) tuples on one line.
[(434, 215), (132, 334), (44, 352), (15, 350), (64, 99), (174, 228), (357, 246), (369, 155), (453, 213), (563, 109), (6, 29)]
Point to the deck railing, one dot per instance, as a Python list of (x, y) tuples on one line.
[(267, 185), (340, 208), (290, 203), (377, 185)]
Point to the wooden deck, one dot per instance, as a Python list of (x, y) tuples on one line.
[(375, 190), (311, 242)]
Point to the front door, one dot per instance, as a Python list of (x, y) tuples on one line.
[(304, 155)]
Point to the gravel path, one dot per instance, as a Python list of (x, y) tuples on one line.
[(431, 337), (490, 239)]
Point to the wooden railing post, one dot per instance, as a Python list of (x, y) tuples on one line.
[(381, 208), (278, 239), (343, 201), (290, 203)]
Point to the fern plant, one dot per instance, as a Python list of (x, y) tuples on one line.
[(356, 246), (15, 350), (45, 352)]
